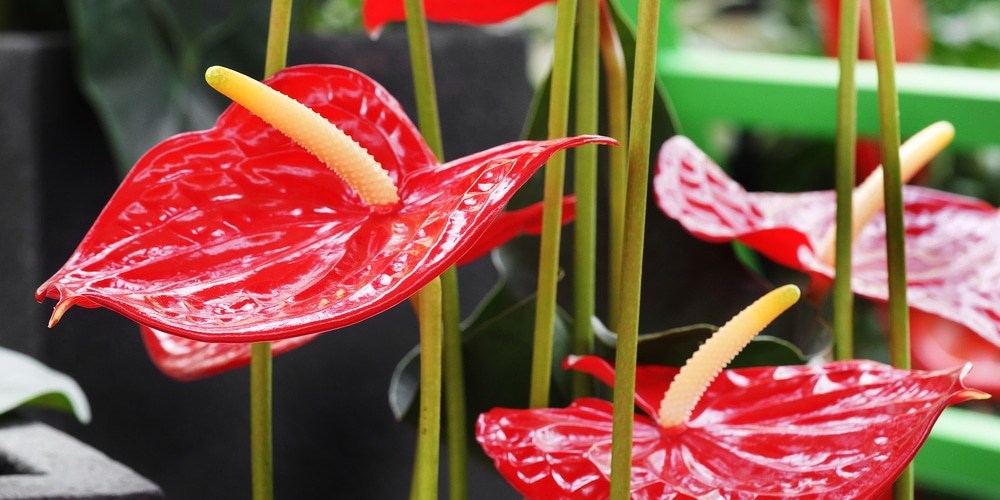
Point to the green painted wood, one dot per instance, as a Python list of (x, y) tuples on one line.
[(797, 95), (962, 456)]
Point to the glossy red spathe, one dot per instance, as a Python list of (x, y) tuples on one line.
[(952, 244), (840, 430), (237, 234), (185, 359)]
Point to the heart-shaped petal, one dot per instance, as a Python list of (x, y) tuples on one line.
[(840, 430), (237, 234)]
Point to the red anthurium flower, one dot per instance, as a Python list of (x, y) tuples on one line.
[(377, 13), (185, 359), (238, 234), (952, 246), (840, 430)]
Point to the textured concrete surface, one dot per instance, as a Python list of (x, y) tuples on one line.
[(38, 462)]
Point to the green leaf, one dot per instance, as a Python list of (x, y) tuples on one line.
[(496, 351), (675, 346), (141, 64), (26, 382)]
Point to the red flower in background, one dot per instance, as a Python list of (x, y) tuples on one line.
[(840, 430), (952, 249), (377, 13), (237, 234), (911, 42)]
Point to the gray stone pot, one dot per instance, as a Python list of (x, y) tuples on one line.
[(38, 462)]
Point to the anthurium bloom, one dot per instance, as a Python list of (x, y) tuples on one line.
[(377, 13), (185, 359), (840, 430), (238, 234), (952, 246)]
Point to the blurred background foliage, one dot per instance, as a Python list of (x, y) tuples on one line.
[(140, 64)]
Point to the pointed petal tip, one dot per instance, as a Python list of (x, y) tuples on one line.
[(59, 310)]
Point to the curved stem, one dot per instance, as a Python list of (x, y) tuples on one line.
[(899, 322), (261, 454), (613, 58), (425, 471), (643, 87), (585, 188), (555, 173)]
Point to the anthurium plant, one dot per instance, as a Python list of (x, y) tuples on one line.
[(314, 203)]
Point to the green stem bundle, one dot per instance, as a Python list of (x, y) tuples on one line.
[(585, 187), (643, 89), (847, 102), (613, 58), (425, 470), (555, 174), (899, 324), (454, 383)]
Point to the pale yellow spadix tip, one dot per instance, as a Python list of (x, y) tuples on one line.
[(311, 131), (869, 197), (718, 351)]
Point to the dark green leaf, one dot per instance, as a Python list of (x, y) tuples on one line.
[(141, 64), (497, 349), (673, 347)]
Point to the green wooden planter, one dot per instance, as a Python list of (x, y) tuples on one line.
[(797, 95)]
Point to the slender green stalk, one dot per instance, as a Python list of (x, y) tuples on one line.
[(454, 388), (454, 382), (643, 88), (425, 469), (585, 187), (555, 174), (423, 76), (277, 37), (847, 103), (261, 434), (899, 323), (261, 454), (613, 58)]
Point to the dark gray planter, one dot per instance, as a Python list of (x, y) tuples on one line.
[(38, 462), (335, 436)]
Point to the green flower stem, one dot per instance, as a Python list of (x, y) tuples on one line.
[(423, 76), (261, 454), (888, 105), (613, 58), (643, 87), (261, 435), (585, 187), (454, 388), (277, 37), (555, 173), (430, 128), (847, 103), (425, 470)]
